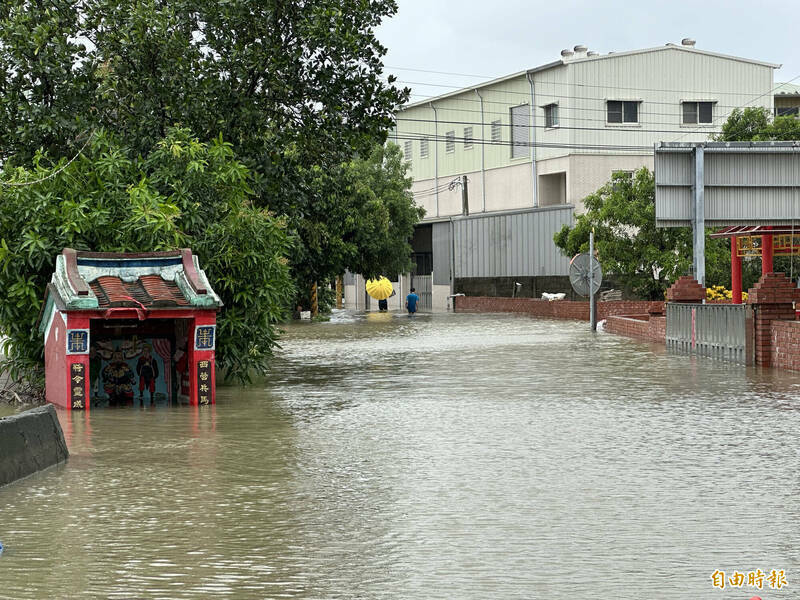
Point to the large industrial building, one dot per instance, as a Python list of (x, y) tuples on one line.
[(532, 145)]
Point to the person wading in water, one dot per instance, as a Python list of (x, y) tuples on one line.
[(411, 302)]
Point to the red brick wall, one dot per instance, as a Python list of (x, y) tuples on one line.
[(639, 326), (785, 347), (559, 309)]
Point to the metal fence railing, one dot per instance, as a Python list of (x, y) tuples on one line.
[(423, 286), (716, 330)]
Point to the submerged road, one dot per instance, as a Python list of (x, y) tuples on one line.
[(445, 456)]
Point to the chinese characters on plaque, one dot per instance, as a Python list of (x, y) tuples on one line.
[(77, 341), (204, 382), (204, 337), (77, 385)]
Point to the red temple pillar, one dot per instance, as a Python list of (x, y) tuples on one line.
[(202, 344), (78, 394), (736, 274), (766, 253)]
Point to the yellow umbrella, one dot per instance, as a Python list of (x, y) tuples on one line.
[(380, 288)]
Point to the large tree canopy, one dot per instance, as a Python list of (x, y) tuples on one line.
[(255, 71), (296, 87)]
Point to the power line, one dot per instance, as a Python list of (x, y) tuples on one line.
[(439, 72), (561, 109), (54, 173), (643, 109), (527, 95), (481, 141), (620, 128), (748, 102)]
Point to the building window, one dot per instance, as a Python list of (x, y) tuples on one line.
[(423, 148), (551, 115), (623, 111), (467, 138), (787, 111), (520, 131), (450, 141), (407, 149), (697, 113), (497, 132)]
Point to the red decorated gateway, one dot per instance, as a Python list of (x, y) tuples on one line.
[(129, 329)]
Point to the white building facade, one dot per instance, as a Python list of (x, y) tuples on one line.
[(555, 134)]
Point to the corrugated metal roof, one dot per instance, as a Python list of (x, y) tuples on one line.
[(787, 89)]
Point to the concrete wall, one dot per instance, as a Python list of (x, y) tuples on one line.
[(509, 187), (30, 442), (439, 302), (589, 172)]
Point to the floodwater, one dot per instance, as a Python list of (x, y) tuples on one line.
[(446, 456)]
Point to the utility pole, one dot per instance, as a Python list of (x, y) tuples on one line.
[(464, 196)]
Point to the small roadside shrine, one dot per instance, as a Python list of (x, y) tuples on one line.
[(125, 329)]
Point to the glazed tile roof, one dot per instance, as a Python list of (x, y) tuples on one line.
[(149, 281), (148, 291)]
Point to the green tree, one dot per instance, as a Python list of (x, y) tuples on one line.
[(622, 215), (369, 218), (183, 192), (755, 124), (379, 183)]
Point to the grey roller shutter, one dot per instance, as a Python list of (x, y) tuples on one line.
[(520, 132)]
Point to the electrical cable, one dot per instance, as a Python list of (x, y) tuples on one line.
[(54, 173), (617, 127)]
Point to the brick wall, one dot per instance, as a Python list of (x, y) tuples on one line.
[(785, 347), (639, 326), (771, 299), (558, 309)]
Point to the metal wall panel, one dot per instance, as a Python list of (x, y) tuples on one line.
[(441, 253), (509, 245), (745, 183)]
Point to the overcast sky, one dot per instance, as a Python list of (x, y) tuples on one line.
[(494, 38)]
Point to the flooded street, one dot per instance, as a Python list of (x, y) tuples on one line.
[(446, 456)]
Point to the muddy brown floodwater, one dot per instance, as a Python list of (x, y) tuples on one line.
[(446, 456)]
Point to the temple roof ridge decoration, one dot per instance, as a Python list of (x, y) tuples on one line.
[(85, 280)]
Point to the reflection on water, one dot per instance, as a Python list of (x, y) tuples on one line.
[(452, 456)]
